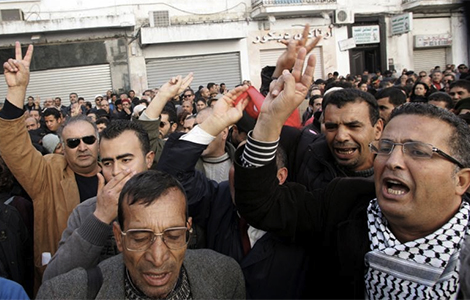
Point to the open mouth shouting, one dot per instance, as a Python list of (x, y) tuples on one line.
[(345, 152), (393, 187)]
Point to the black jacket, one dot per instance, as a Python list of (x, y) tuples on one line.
[(329, 223), (315, 165), (274, 268)]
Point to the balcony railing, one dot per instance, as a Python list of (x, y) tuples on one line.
[(284, 2), (417, 5)]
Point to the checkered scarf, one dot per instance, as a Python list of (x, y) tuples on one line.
[(426, 268)]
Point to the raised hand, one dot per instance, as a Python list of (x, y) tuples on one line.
[(287, 59), (16, 73), (285, 95), (175, 86), (225, 112)]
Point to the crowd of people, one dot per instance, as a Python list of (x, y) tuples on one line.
[(181, 193)]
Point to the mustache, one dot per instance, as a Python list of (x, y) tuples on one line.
[(149, 267), (345, 145)]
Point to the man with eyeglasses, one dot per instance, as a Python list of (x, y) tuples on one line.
[(126, 148), (152, 233), (56, 183), (411, 241)]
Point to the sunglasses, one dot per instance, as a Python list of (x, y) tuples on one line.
[(74, 142), (163, 124), (186, 96)]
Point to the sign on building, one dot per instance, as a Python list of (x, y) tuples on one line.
[(347, 44), (366, 34), (402, 23), (433, 40)]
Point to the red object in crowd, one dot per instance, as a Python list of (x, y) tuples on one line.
[(256, 100)]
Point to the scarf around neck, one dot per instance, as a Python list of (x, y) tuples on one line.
[(426, 268)]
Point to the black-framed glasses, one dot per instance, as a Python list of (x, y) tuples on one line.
[(416, 150), (187, 96), (141, 239), (74, 142)]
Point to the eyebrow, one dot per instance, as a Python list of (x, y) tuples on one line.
[(117, 157)]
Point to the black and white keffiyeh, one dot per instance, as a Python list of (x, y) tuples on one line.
[(426, 268)]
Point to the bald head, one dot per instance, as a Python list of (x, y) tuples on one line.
[(31, 123)]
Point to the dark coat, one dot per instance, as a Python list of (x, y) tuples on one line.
[(315, 165), (330, 223), (274, 267)]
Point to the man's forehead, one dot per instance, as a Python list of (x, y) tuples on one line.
[(415, 127), (78, 129), (356, 109), (169, 210), (458, 89), (383, 101)]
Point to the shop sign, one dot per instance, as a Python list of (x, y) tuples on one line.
[(273, 36), (433, 40), (402, 23), (366, 34), (347, 44)]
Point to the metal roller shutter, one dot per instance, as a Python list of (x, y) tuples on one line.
[(427, 59), (215, 68), (269, 58), (86, 81)]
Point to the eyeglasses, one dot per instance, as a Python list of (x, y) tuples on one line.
[(186, 96), (74, 142), (415, 150), (141, 239)]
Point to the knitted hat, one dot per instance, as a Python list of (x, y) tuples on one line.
[(50, 142)]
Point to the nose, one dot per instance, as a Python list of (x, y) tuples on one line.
[(396, 159), (342, 134), (158, 252), (82, 146), (117, 168)]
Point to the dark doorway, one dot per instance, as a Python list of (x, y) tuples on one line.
[(365, 59)]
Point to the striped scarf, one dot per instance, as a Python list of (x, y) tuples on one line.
[(426, 268)]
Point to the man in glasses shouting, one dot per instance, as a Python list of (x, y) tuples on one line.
[(55, 183), (152, 233), (410, 241)]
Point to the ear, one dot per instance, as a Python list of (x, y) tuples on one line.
[(282, 175), (378, 128), (463, 181), (118, 236), (149, 158), (224, 134), (235, 128), (189, 223), (173, 127)]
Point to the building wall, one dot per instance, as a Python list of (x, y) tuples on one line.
[(207, 27)]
